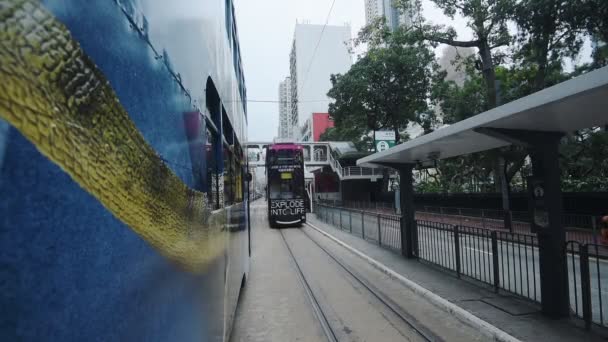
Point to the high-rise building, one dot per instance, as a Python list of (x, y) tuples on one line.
[(318, 51), (387, 9), (449, 61), (373, 9), (285, 127)]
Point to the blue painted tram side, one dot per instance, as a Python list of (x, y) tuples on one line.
[(86, 254)]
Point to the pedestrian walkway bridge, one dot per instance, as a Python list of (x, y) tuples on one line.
[(318, 155)]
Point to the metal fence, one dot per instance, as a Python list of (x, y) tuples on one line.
[(494, 219), (587, 272), (579, 227), (506, 261), (380, 228), (383, 207)]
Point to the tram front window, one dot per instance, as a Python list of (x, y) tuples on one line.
[(282, 189)]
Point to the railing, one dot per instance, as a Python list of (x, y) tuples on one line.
[(506, 261), (587, 269), (353, 171), (335, 165), (491, 217), (581, 228), (380, 207), (379, 228)]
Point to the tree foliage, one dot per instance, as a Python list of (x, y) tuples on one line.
[(584, 161), (549, 30), (387, 89), (362, 141), (594, 13), (459, 102), (487, 19), (508, 65)]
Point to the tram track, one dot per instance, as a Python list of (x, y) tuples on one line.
[(395, 308), (316, 308), (388, 305)]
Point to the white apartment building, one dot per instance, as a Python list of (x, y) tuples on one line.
[(285, 126), (316, 54), (386, 8)]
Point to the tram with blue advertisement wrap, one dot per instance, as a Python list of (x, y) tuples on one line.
[(285, 185), (123, 197)]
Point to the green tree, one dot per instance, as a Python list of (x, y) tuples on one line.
[(584, 161), (486, 18), (488, 21), (388, 88), (594, 13), (459, 102), (549, 31), (362, 141)]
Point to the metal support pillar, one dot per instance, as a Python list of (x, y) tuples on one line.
[(547, 212), (409, 246), (551, 240), (505, 194)]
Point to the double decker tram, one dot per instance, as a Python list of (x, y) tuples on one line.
[(285, 185), (123, 184)]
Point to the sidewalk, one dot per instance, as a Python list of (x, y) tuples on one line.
[(515, 316)]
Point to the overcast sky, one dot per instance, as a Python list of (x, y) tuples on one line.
[(266, 32)]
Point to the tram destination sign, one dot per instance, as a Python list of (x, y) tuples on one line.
[(284, 168), (292, 207)]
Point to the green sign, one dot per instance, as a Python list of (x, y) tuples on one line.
[(384, 140)]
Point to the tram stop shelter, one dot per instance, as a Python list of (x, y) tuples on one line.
[(537, 122)]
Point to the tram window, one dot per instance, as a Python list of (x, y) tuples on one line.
[(228, 176), (283, 189), (212, 170), (238, 169), (239, 182)]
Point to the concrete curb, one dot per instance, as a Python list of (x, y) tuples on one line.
[(486, 328)]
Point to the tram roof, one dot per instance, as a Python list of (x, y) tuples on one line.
[(581, 102)]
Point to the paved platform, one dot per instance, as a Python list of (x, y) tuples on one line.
[(272, 306), (517, 317)]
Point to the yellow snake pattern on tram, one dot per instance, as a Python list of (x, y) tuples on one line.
[(60, 101)]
